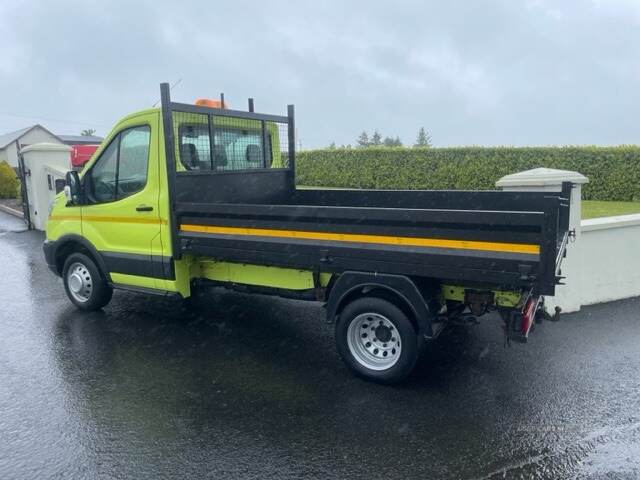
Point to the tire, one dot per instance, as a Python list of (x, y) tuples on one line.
[(366, 329), (85, 286)]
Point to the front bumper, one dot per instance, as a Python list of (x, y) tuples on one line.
[(49, 249)]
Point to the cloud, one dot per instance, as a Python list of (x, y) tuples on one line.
[(486, 72)]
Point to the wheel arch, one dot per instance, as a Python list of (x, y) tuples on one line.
[(68, 244), (398, 289)]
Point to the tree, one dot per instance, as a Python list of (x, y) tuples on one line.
[(392, 142), (332, 146), (376, 138), (8, 181), (424, 139), (363, 140), (88, 132)]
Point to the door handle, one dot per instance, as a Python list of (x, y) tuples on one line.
[(144, 208)]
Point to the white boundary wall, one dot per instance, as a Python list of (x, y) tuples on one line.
[(610, 259), (603, 264)]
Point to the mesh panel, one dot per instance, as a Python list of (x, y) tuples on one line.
[(238, 143), (191, 134)]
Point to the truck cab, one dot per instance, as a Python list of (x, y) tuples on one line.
[(121, 214), (184, 196)]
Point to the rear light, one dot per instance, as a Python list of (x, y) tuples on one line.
[(529, 315), (518, 323)]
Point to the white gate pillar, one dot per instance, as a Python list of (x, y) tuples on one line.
[(44, 164), (568, 297)]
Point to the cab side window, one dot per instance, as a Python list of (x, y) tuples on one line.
[(104, 174), (121, 170), (133, 161)]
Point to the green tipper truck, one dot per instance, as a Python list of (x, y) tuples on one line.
[(183, 196)]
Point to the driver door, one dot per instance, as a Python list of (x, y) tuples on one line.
[(120, 216)]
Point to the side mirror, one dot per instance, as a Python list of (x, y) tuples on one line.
[(73, 188)]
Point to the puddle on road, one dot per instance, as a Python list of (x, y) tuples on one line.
[(615, 452), (610, 452)]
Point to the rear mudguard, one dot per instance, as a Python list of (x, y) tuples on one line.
[(400, 286)]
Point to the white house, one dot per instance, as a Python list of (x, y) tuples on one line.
[(38, 134), (26, 136)]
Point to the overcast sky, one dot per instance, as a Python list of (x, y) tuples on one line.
[(529, 72)]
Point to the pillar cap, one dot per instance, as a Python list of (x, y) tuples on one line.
[(541, 177), (46, 147)]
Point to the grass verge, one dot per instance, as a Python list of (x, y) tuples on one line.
[(596, 208)]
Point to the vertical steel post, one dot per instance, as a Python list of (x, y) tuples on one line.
[(549, 247), (292, 142), (565, 205), (212, 144), (265, 144), (24, 194), (251, 105), (170, 154)]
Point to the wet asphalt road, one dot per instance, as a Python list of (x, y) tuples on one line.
[(251, 387)]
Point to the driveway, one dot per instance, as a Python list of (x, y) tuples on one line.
[(251, 387)]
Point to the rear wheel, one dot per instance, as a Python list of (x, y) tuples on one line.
[(377, 340), (83, 283)]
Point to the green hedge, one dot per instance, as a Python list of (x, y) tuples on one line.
[(8, 181), (613, 172)]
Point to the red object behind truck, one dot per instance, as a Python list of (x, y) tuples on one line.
[(81, 154)]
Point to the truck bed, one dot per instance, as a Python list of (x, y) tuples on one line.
[(258, 216), (508, 239)]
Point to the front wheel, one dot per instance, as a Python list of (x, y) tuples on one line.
[(83, 283), (377, 340)]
